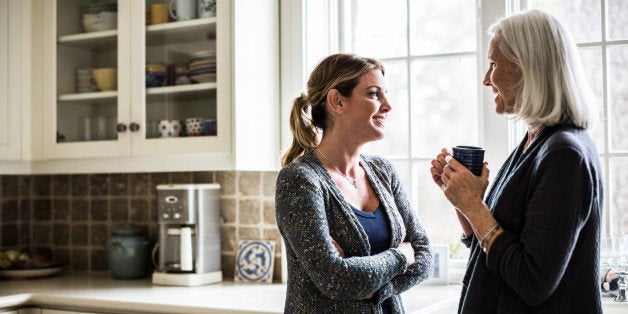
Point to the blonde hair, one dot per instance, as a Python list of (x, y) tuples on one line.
[(309, 113), (553, 88)]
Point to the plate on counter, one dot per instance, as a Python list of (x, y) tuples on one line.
[(30, 273)]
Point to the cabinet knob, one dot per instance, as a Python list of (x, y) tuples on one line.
[(134, 127), (121, 127)]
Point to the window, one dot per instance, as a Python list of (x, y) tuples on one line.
[(435, 58), (600, 30), (429, 49)]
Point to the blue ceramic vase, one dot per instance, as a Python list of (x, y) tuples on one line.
[(127, 252)]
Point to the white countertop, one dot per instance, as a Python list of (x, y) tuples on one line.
[(85, 292), (101, 293)]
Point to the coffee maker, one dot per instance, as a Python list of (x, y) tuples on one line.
[(189, 235)]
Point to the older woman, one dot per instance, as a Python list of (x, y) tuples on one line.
[(353, 242), (535, 238)]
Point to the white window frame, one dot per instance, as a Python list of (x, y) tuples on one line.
[(494, 130), (498, 134)]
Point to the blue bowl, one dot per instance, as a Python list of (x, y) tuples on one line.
[(155, 79)]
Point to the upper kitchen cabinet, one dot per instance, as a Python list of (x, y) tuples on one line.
[(155, 85), (13, 70)]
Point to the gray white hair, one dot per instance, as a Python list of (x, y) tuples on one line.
[(553, 88)]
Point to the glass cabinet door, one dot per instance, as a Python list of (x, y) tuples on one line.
[(180, 69), (137, 78), (87, 71)]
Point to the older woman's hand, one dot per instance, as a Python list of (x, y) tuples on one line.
[(438, 164), (462, 188)]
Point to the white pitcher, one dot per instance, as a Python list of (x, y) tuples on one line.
[(185, 9)]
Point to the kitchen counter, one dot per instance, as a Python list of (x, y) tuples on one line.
[(101, 293)]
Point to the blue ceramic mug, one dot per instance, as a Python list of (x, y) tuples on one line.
[(471, 157)]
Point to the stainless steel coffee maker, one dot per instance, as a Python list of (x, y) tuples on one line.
[(189, 235)]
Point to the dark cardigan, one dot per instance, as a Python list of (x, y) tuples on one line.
[(311, 210), (548, 200)]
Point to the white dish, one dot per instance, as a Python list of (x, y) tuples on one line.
[(29, 273), (204, 78)]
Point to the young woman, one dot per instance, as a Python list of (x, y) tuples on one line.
[(353, 242)]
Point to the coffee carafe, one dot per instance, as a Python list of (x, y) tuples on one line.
[(189, 234)]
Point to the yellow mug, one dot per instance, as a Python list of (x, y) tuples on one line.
[(158, 14)]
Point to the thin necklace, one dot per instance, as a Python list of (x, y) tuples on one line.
[(353, 182)]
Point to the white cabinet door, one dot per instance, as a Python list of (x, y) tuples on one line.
[(199, 45), (11, 61), (79, 118), (118, 130)]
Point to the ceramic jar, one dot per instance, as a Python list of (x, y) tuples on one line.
[(193, 126), (170, 128), (127, 252)]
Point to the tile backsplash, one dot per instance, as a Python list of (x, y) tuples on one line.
[(73, 215)]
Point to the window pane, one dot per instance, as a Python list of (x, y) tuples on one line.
[(317, 39), (619, 195), (435, 213), (397, 129), (403, 169), (581, 17), (379, 30), (617, 11), (592, 61), (442, 27), (618, 96), (444, 105)]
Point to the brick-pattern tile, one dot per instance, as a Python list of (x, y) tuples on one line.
[(269, 180), (227, 181), (10, 187), (60, 209), (9, 235), (249, 183), (61, 185), (79, 185), (42, 186), (99, 185), (10, 211), (249, 212), (74, 214)]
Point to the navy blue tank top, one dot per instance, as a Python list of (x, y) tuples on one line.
[(377, 229)]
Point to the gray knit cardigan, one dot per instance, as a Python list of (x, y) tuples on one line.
[(311, 211)]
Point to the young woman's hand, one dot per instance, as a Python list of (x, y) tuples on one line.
[(408, 252), (338, 248)]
